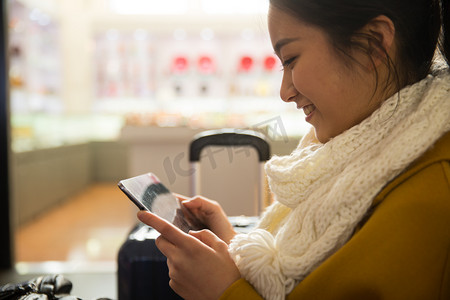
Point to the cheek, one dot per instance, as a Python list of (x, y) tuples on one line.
[(306, 81), (339, 113), (317, 78), (334, 101)]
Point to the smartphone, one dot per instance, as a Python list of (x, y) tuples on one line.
[(148, 193)]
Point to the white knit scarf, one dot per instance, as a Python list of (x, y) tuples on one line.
[(325, 189)]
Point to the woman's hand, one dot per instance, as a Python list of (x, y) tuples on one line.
[(211, 214), (200, 266)]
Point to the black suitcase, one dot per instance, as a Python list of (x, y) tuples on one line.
[(142, 269)]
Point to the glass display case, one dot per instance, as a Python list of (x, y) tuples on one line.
[(192, 66)]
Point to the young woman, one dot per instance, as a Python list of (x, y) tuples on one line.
[(362, 206)]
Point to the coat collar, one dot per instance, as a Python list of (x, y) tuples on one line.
[(440, 151)]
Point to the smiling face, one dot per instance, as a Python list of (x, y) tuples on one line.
[(333, 95)]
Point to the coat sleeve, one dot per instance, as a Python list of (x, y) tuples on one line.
[(241, 289)]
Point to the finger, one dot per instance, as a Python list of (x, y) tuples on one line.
[(182, 288), (166, 247), (192, 203), (181, 197), (166, 229), (172, 269), (202, 204), (175, 286), (210, 239), (191, 216)]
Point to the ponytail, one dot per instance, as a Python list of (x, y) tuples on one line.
[(444, 41)]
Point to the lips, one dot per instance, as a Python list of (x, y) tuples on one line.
[(308, 109)]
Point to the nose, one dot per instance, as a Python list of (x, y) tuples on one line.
[(287, 90)]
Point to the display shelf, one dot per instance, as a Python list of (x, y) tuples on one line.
[(82, 72), (43, 131), (35, 59)]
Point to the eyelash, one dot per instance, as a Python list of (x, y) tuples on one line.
[(288, 62)]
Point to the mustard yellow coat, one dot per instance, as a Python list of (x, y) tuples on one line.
[(402, 251)]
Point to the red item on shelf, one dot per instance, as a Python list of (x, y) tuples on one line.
[(269, 63), (206, 64), (246, 64), (180, 64)]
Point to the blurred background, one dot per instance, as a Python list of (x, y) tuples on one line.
[(101, 90)]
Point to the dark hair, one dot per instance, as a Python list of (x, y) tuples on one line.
[(418, 25)]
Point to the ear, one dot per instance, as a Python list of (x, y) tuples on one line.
[(380, 34)]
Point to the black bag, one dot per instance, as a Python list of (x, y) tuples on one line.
[(40, 288), (48, 287)]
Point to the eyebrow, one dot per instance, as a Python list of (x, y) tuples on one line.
[(283, 42)]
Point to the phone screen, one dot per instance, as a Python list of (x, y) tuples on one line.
[(148, 193)]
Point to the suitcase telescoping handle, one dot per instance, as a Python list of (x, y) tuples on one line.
[(230, 138)]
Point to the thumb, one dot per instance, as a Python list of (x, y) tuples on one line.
[(180, 197), (192, 202), (210, 239)]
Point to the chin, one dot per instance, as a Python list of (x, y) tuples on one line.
[(322, 137)]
